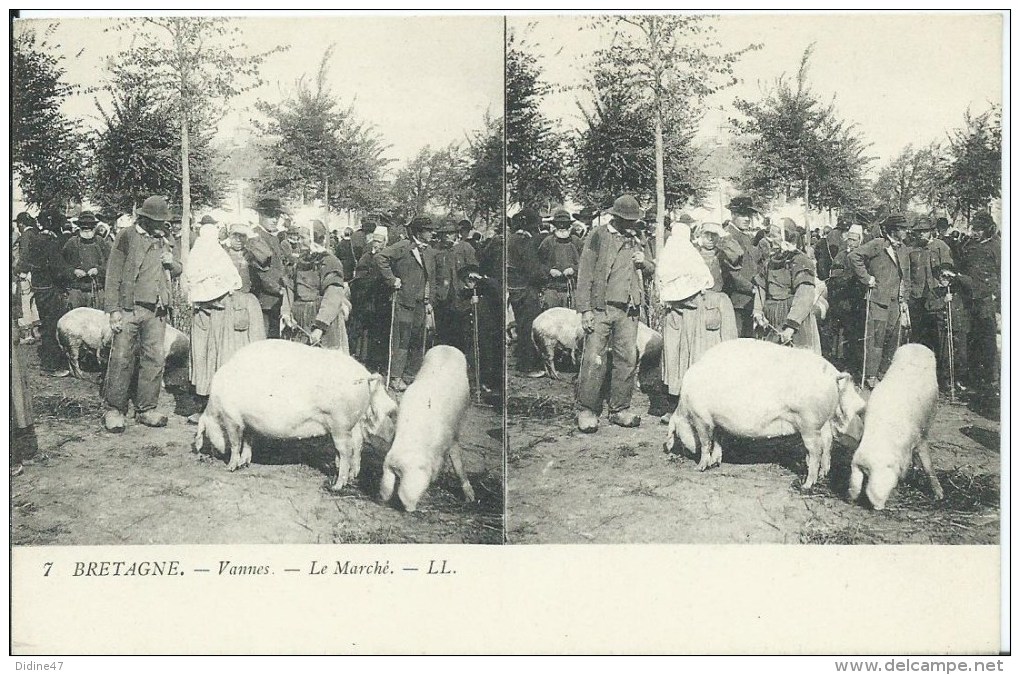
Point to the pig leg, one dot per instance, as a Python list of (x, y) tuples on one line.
[(245, 452), (813, 443), (856, 482), (881, 482), (233, 435), (826, 458), (924, 454), (388, 482), (716, 458), (357, 444), (344, 445), (458, 467), (704, 434)]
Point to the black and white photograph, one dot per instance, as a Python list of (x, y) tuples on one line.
[(753, 264), (257, 280)]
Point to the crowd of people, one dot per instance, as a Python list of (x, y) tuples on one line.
[(383, 297), (852, 293)]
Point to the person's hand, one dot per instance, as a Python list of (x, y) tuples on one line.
[(288, 320), (588, 321), (639, 257), (93, 271), (24, 276), (315, 336), (555, 274), (949, 297), (759, 319), (167, 259), (569, 272), (872, 282), (904, 316), (786, 335), (79, 273), (116, 322), (396, 283)]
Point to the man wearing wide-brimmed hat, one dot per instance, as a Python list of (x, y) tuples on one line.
[(525, 278), (882, 265), (609, 296), (560, 255), (739, 276), (42, 259), (137, 292), (87, 255), (269, 256), (408, 267), (982, 262)]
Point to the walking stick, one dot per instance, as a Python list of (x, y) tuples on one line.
[(570, 293), (867, 320), (643, 309), (474, 346), (95, 295), (950, 347), (389, 354)]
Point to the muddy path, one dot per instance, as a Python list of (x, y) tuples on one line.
[(618, 486), (85, 486)]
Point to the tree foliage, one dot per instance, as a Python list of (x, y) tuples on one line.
[(314, 139), (484, 179), (975, 170), (535, 152), (47, 148), (615, 151), (795, 142)]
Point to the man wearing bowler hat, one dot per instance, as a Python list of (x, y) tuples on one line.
[(609, 296), (137, 297), (87, 255), (408, 267), (739, 275), (882, 265), (269, 255)]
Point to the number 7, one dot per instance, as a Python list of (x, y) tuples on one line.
[(48, 567)]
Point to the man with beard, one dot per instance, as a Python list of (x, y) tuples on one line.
[(41, 257), (87, 255), (559, 255), (610, 294), (739, 275), (138, 275), (408, 267), (269, 255)]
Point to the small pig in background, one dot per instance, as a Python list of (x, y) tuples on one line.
[(557, 328), (899, 415), (428, 424)]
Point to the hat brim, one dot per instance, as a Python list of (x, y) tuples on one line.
[(626, 216)]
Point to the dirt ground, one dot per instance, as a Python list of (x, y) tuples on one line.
[(85, 486), (618, 485)]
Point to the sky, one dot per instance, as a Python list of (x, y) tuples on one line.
[(420, 81), (903, 78)]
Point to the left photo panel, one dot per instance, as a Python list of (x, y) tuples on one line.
[(257, 280)]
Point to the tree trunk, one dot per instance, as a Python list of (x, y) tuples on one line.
[(325, 218), (807, 202), (660, 186), (185, 189)]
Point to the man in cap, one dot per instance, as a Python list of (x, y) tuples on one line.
[(609, 296), (982, 262), (87, 255), (927, 310), (585, 219), (370, 325), (452, 307), (137, 297), (42, 259), (846, 306), (559, 255), (882, 265), (525, 278), (408, 267), (739, 275), (269, 256)]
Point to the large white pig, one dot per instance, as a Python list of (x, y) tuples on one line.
[(90, 328), (428, 425), (757, 389), (283, 390), (900, 413), (557, 329)]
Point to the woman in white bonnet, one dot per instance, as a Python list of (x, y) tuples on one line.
[(220, 320), (698, 315)]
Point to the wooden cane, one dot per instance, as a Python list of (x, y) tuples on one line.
[(867, 320), (950, 347), (474, 345), (393, 322)]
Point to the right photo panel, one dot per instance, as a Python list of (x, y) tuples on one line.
[(753, 272)]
